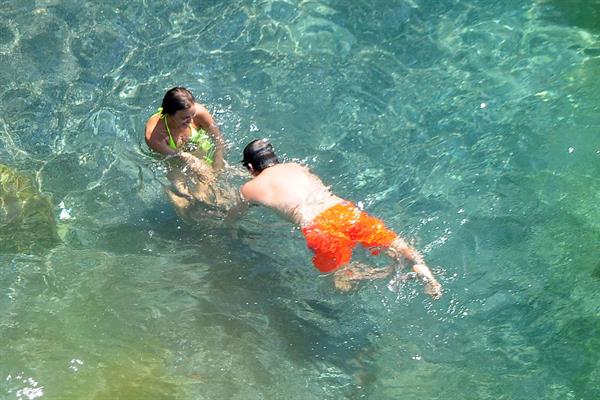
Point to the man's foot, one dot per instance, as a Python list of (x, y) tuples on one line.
[(432, 286), (342, 283), (180, 204)]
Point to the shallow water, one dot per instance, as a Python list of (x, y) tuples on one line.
[(471, 127)]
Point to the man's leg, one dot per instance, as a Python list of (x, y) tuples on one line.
[(346, 277), (180, 203), (178, 193)]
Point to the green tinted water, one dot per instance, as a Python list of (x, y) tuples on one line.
[(471, 127)]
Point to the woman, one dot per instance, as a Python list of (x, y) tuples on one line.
[(186, 131), (180, 121)]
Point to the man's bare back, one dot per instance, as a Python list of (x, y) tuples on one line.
[(291, 190)]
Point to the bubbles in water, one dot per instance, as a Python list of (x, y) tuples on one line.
[(30, 391), (9, 37), (75, 364)]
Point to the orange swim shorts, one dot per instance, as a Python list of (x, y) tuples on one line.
[(335, 232)]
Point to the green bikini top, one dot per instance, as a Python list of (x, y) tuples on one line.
[(198, 137)]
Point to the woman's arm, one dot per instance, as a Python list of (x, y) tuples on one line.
[(207, 122), (155, 138)]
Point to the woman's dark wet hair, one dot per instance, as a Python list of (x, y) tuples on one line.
[(178, 98), (260, 154)]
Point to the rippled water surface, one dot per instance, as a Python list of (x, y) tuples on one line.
[(471, 127)]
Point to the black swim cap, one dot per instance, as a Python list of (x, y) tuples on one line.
[(260, 154)]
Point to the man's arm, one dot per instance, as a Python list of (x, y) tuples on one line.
[(400, 248), (239, 209), (198, 167), (207, 122)]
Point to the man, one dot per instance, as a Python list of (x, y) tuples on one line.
[(331, 225)]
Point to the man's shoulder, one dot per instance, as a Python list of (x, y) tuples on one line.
[(251, 189), (291, 167)]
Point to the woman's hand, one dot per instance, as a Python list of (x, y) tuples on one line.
[(219, 160)]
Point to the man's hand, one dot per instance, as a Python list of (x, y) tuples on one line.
[(432, 286), (199, 167)]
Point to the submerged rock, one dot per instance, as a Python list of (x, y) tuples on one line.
[(27, 223)]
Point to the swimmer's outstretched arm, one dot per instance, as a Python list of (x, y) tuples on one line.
[(236, 212), (398, 248), (198, 167)]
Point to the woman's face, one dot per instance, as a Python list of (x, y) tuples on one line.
[(184, 117)]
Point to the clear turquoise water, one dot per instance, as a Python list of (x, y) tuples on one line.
[(471, 127)]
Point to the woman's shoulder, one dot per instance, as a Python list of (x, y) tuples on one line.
[(203, 118), (153, 118), (153, 129), (200, 108), (152, 121)]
